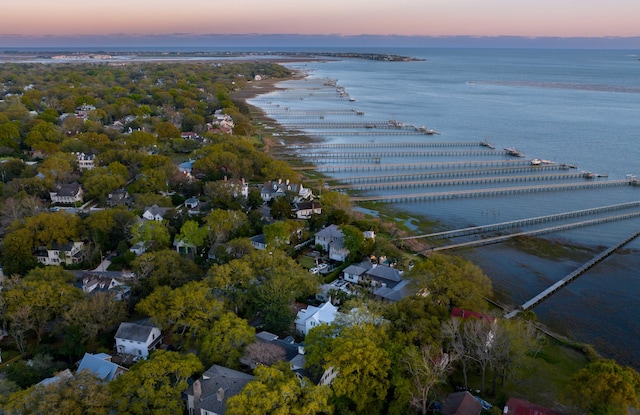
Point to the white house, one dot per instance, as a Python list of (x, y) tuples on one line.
[(69, 254), (271, 190), (314, 316), (137, 339), (154, 212), (331, 239), (304, 210), (68, 193), (259, 242), (86, 161)]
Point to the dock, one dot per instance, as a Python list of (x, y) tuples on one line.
[(500, 191), (572, 276)]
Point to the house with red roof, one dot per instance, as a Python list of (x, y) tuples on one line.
[(516, 406)]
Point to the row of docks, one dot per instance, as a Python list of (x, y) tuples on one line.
[(476, 164), (452, 173), (419, 144), (397, 154), (314, 113), (340, 125), (387, 133), (572, 276), (504, 191), (459, 182), (535, 232), (520, 223)]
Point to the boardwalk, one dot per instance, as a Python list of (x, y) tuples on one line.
[(422, 166), (459, 182), (500, 191), (535, 232), (395, 144), (575, 274), (474, 230)]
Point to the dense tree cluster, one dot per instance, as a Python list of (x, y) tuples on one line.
[(199, 278)]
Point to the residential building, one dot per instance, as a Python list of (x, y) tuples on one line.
[(119, 197), (259, 242), (461, 403), (521, 407), (86, 161), (139, 248), (137, 339), (154, 212), (314, 316), (273, 189), (67, 193), (331, 239), (209, 394), (101, 365), (96, 281), (287, 350), (238, 187), (304, 210), (68, 254)]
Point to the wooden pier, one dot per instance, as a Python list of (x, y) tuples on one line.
[(420, 166), (474, 230), (575, 274), (459, 182), (535, 232), (448, 173), (415, 144), (380, 154), (488, 192)]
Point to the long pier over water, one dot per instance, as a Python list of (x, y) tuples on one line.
[(575, 274), (535, 232), (488, 192), (474, 230)]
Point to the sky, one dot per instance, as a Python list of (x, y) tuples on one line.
[(123, 18)]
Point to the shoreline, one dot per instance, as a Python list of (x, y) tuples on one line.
[(561, 334)]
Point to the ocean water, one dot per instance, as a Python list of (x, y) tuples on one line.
[(577, 107)]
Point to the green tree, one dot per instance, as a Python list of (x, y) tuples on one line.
[(153, 234), (225, 341), (277, 235), (452, 282), (604, 387), (353, 239), (94, 314), (190, 308), (277, 390), (82, 393), (281, 209), (155, 385), (165, 267), (225, 224)]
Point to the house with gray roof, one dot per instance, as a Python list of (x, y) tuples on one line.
[(154, 212), (137, 339), (67, 193), (209, 394), (101, 365)]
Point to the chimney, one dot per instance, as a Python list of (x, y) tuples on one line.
[(197, 390), (220, 395)]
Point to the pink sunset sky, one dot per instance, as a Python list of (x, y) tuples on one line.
[(562, 18)]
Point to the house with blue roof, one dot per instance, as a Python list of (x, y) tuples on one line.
[(101, 365)]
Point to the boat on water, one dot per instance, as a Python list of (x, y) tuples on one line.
[(512, 151), (536, 162)]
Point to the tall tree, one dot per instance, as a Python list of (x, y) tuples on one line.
[(604, 387), (277, 390), (155, 385), (225, 341)]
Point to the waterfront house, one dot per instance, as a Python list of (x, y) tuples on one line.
[(67, 193), (137, 339), (209, 394), (273, 189), (304, 210)]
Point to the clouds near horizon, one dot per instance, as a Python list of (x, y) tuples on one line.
[(564, 18)]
